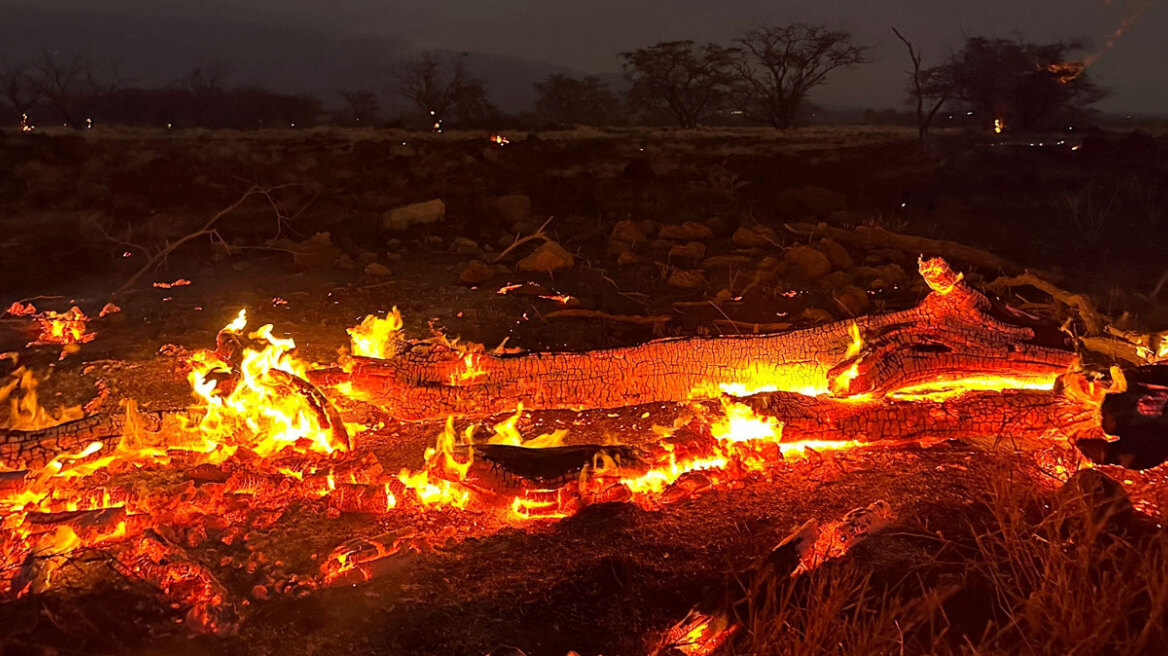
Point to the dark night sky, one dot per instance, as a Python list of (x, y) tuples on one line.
[(321, 46)]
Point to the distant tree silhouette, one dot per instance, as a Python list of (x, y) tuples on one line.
[(1029, 86), (362, 106), (471, 106), (19, 88), (776, 67), (205, 84), (74, 89), (436, 85), (569, 100), (929, 88), (679, 79)]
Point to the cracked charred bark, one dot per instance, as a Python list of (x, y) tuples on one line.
[(949, 336)]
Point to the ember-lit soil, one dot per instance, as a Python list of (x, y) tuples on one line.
[(613, 577)]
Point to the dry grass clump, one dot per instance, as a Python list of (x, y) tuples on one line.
[(1084, 577)]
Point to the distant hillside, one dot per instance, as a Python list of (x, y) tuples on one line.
[(151, 51)]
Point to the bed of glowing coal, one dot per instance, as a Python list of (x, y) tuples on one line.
[(237, 488)]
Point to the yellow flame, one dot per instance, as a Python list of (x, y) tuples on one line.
[(471, 369), (944, 390), (259, 408), (26, 412), (374, 335), (507, 432)]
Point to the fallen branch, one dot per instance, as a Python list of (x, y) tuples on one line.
[(875, 237), (538, 234), (621, 318), (208, 229), (752, 326), (1093, 321)]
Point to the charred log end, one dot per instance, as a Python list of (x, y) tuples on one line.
[(1138, 418)]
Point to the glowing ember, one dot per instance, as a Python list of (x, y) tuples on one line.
[(18, 309), (181, 282), (262, 440), (63, 327), (938, 275)]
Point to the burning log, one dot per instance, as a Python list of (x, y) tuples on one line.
[(1007, 414), (297, 410), (36, 448), (949, 336), (325, 413)]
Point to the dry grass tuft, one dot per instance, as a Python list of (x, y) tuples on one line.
[(1078, 578)]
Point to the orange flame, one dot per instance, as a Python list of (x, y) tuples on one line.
[(260, 405), (374, 336)]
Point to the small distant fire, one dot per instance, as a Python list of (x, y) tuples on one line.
[(499, 140), (64, 328), (999, 126), (26, 124)]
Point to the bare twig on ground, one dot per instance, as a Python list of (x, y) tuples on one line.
[(538, 234), (881, 238), (622, 318), (208, 229)]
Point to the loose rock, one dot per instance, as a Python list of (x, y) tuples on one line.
[(754, 237), (550, 256), (464, 246), (839, 256), (626, 235), (476, 273), (725, 262), (694, 250), (688, 231), (400, 218), (377, 269), (805, 264), (686, 279), (506, 210)]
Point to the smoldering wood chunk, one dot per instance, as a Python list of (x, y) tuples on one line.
[(553, 465), (1138, 417)]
